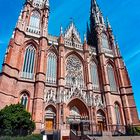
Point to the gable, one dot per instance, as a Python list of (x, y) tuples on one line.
[(72, 33)]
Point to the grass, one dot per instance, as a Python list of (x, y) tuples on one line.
[(31, 137)]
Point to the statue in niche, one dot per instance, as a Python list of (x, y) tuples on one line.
[(98, 101), (50, 96)]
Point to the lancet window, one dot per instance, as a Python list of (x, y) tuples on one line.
[(118, 114), (51, 68), (24, 100), (35, 19), (29, 62), (94, 76), (111, 77), (105, 41)]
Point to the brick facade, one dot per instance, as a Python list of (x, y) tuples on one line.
[(12, 85)]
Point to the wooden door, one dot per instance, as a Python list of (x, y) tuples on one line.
[(65, 138), (49, 125), (101, 126)]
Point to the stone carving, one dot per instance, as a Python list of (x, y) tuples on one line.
[(98, 101), (64, 96), (50, 96)]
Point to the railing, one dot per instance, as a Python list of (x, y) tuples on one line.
[(74, 136), (107, 51), (25, 75), (33, 30), (52, 38), (122, 130), (117, 130), (51, 80), (92, 49), (113, 130), (70, 84), (96, 87), (73, 45)]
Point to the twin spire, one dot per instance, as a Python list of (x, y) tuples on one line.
[(96, 16), (94, 6), (96, 20)]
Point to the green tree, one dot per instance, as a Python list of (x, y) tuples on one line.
[(15, 121)]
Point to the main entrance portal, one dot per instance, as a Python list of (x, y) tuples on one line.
[(78, 116)]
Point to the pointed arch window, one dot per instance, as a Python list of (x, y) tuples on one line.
[(29, 62), (105, 43), (111, 77), (117, 114), (24, 100), (51, 73), (94, 76), (35, 19)]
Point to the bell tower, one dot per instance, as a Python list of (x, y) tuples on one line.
[(33, 19), (100, 36), (25, 60)]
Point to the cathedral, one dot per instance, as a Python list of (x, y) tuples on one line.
[(65, 83)]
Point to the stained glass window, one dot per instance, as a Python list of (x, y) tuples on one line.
[(111, 78), (51, 68), (94, 75), (105, 41), (118, 115), (24, 100), (29, 61), (35, 19)]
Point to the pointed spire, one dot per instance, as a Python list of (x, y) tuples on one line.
[(94, 6), (108, 23), (61, 30), (85, 43), (88, 34), (96, 14), (61, 37), (47, 3), (116, 41), (85, 38)]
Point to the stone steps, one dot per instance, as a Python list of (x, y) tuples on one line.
[(117, 138)]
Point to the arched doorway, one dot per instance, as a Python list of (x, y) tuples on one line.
[(78, 117), (50, 118), (101, 121)]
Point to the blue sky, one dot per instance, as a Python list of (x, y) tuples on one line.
[(124, 16)]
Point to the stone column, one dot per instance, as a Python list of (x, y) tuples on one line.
[(38, 104), (61, 78), (104, 77)]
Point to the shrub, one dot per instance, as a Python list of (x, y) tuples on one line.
[(15, 121), (31, 137), (133, 130)]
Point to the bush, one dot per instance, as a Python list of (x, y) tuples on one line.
[(32, 137), (133, 130), (15, 121)]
